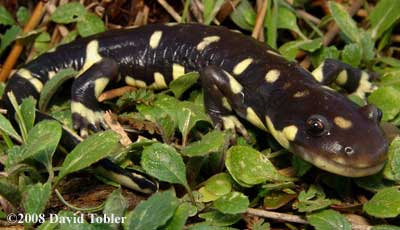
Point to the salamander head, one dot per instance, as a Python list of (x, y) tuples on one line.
[(326, 129)]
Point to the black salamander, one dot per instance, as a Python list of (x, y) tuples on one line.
[(239, 75)]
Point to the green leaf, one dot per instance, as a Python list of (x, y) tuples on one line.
[(116, 204), (179, 219), (277, 199), (367, 46), (36, 198), (392, 167), (90, 24), (22, 15), (301, 166), (28, 110), (346, 24), (9, 36), (271, 23), (164, 163), (287, 20), (386, 98), (289, 49), (219, 184), (42, 43), (188, 115), (211, 8), (312, 200), (183, 83), (68, 13), (41, 143), (10, 192), (216, 218), (89, 151), (384, 204), (384, 16), (52, 85), (328, 220), (152, 213), (6, 127), (5, 17), (211, 142), (352, 54), (385, 227), (244, 15), (249, 167), (232, 203)]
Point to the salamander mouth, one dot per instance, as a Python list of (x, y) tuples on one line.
[(335, 167)]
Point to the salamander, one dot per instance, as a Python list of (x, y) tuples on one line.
[(240, 76)]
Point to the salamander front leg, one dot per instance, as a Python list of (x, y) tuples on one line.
[(221, 90), (86, 112), (353, 80)]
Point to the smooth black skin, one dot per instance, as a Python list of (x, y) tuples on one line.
[(130, 50)]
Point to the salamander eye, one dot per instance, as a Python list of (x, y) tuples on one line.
[(317, 125)]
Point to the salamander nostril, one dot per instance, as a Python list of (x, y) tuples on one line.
[(348, 150)]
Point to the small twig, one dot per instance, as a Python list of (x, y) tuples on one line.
[(115, 126), (259, 27), (334, 30), (110, 94), (18, 46), (170, 10), (276, 215), (308, 16)]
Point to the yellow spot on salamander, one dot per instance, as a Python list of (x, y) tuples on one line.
[(177, 71), (231, 122), (342, 78), (318, 74), (365, 86), (155, 39), (252, 117), (91, 116), (272, 75), (273, 53), (206, 42), (226, 104), (236, 87), (300, 94), (99, 85), (342, 123), (26, 74), (51, 74), (242, 66), (136, 83), (285, 135), (92, 56), (159, 81)]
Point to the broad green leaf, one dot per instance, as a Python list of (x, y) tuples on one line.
[(188, 115), (373, 183), (10, 192), (211, 142), (22, 15), (219, 184), (5, 17), (289, 49), (244, 15), (89, 151), (152, 213), (311, 200), (6, 127), (383, 16), (352, 54), (116, 204), (68, 13), (216, 218), (232, 203), (392, 167), (346, 24), (36, 198), (52, 85), (328, 220), (164, 163), (42, 43), (367, 46), (386, 98), (249, 167), (179, 219), (287, 20), (385, 227), (277, 199), (90, 24), (41, 143), (8, 37), (183, 83), (28, 110), (384, 204)]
